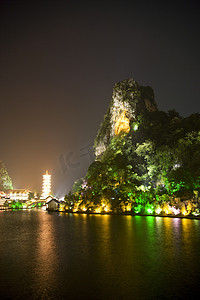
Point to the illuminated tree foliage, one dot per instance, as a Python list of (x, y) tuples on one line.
[(16, 205), (5, 180), (147, 161), (172, 155)]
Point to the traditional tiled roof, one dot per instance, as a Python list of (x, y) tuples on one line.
[(53, 199), (17, 191)]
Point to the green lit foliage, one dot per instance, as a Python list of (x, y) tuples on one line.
[(143, 202), (77, 186), (172, 158), (144, 169), (149, 208), (138, 208), (149, 169), (135, 126), (188, 174), (159, 161), (112, 176), (16, 204)]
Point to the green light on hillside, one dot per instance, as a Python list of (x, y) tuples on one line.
[(135, 126)]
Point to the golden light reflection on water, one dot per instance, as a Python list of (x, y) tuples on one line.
[(188, 235), (103, 256), (119, 252), (101, 240), (46, 255), (105, 237)]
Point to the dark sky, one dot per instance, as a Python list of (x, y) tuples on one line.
[(59, 61)]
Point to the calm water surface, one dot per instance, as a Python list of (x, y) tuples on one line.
[(68, 256)]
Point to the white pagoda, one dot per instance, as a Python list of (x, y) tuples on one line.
[(46, 186)]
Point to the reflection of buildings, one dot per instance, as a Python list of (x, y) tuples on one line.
[(46, 186)]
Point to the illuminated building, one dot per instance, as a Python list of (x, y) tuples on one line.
[(52, 205), (15, 194), (19, 194), (46, 186)]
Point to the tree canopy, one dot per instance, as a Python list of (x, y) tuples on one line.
[(5, 180), (157, 159)]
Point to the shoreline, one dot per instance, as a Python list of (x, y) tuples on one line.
[(110, 213), (135, 215)]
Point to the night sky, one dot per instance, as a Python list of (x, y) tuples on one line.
[(59, 61)]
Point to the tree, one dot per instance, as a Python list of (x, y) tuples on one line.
[(5, 180), (187, 171), (77, 185), (30, 195), (157, 156)]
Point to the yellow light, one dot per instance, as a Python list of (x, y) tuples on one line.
[(62, 207), (167, 208), (107, 208), (128, 207), (158, 210), (122, 123), (184, 212)]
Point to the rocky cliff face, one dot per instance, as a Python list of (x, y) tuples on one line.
[(129, 101)]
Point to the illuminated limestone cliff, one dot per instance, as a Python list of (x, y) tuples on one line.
[(129, 101)]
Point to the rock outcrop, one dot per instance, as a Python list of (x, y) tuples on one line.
[(129, 101)]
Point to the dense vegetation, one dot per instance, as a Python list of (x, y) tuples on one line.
[(153, 168), (5, 180)]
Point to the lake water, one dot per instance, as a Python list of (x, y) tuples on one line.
[(69, 256)]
